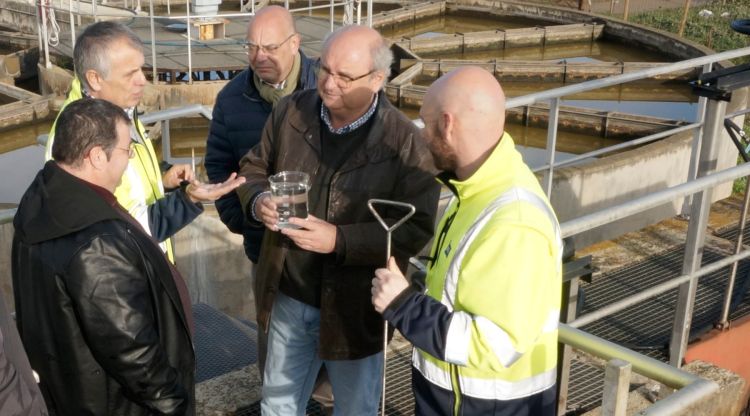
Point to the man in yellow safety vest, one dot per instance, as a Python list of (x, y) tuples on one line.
[(485, 330)]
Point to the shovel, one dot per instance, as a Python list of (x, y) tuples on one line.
[(371, 204)]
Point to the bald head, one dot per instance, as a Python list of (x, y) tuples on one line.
[(273, 44), (464, 116), (357, 39), (273, 16), (474, 97)]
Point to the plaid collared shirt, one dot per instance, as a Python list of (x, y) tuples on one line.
[(325, 116)]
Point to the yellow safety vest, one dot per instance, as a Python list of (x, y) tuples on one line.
[(498, 269), (141, 183)]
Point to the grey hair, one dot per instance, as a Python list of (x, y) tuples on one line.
[(92, 46), (380, 52)]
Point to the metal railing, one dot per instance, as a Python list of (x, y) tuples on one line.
[(6, 215), (48, 10), (164, 116), (554, 96)]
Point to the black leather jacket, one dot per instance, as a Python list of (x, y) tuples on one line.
[(98, 310), (393, 163)]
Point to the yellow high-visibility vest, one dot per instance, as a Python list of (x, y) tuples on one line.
[(498, 270), (141, 183)]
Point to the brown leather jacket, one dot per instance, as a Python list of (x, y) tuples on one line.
[(394, 163)]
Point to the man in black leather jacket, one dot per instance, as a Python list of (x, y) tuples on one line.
[(103, 315)]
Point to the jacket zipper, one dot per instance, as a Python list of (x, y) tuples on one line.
[(456, 390)]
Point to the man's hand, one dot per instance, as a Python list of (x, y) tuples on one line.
[(315, 234), (265, 211), (176, 174), (387, 284), (209, 192)]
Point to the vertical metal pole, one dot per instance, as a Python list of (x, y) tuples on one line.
[(190, 49), (309, 5), (43, 10), (169, 9), (93, 9), (166, 149), (286, 4), (566, 352), (331, 15), (72, 24), (724, 322), (696, 147), (369, 13), (38, 12), (616, 388), (154, 72), (359, 12), (696, 234), (554, 111)]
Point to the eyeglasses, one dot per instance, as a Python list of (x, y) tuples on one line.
[(342, 81), (272, 49), (130, 150)]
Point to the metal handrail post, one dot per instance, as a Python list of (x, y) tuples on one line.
[(72, 24), (93, 9), (47, 63), (37, 12), (369, 13), (696, 146), (616, 387), (166, 143), (331, 15), (724, 321), (189, 39), (554, 112), (696, 233), (154, 72)]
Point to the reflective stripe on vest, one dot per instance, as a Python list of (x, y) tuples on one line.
[(458, 339), (489, 389)]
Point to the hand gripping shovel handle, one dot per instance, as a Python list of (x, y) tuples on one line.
[(371, 204)]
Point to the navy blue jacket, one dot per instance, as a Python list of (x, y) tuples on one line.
[(238, 119)]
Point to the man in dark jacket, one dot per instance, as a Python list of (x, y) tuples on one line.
[(103, 315), (355, 146), (277, 68)]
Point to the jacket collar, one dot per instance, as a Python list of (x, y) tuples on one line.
[(495, 172), (56, 204)]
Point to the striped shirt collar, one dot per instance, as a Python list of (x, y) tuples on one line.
[(325, 116)]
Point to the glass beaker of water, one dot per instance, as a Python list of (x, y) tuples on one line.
[(289, 193)]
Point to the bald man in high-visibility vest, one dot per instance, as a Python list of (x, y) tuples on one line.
[(485, 329)]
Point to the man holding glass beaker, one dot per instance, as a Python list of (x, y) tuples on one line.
[(335, 147)]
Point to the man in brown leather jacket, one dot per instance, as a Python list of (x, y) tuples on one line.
[(104, 316), (355, 146)]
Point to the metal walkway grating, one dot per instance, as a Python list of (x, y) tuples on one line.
[(647, 326)]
